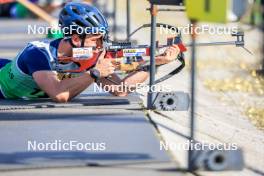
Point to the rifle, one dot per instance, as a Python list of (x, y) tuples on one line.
[(128, 55), (133, 54)]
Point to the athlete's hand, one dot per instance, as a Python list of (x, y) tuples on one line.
[(104, 66), (169, 55)]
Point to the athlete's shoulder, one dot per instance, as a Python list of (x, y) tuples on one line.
[(40, 47), (47, 46), (36, 56)]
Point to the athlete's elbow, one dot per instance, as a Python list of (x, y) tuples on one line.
[(120, 94), (61, 98)]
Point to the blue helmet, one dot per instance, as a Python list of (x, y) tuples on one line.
[(82, 15)]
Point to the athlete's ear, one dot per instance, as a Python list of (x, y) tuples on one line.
[(76, 40), (99, 42)]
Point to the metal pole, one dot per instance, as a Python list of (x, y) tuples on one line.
[(193, 94), (151, 97), (114, 19), (128, 20)]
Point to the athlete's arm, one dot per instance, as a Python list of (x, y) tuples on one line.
[(61, 90), (64, 90)]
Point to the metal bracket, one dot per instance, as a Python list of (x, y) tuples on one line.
[(169, 10), (167, 2), (171, 101), (239, 42)]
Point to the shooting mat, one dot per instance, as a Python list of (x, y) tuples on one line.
[(119, 123)]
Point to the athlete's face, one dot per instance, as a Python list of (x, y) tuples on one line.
[(93, 40)]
